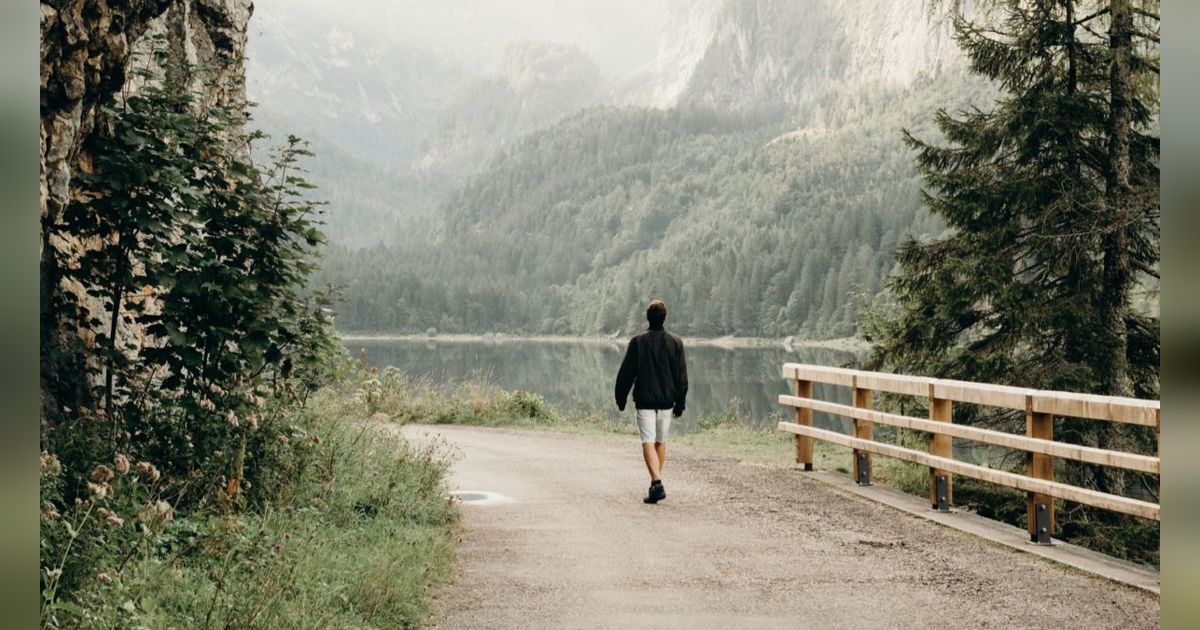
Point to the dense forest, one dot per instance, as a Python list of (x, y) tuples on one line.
[(757, 224)]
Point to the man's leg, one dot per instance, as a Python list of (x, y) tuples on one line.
[(652, 465), (662, 426), (646, 427)]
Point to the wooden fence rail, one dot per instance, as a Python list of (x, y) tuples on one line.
[(1040, 408)]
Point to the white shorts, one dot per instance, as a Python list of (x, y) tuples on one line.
[(653, 424)]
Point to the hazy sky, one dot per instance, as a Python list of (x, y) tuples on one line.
[(620, 35)]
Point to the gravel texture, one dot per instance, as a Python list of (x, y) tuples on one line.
[(733, 546)]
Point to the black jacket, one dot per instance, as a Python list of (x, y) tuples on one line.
[(656, 370)]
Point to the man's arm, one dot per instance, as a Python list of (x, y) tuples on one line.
[(626, 375), (681, 383)]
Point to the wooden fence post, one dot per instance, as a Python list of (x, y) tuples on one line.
[(804, 444), (941, 445), (1040, 507), (862, 429)]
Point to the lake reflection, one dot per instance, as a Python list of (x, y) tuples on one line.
[(579, 375)]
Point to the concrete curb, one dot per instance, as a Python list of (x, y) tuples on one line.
[(1001, 533)]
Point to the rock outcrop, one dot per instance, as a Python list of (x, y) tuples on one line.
[(737, 55), (88, 50), (88, 53)]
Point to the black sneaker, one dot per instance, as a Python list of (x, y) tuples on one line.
[(657, 493)]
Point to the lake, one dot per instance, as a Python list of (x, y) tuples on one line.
[(579, 374)]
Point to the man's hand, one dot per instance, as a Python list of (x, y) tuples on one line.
[(676, 413)]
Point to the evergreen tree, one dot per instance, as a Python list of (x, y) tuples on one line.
[(1051, 201)]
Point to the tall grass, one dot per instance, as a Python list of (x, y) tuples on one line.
[(359, 532)]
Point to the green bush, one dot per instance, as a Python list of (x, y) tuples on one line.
[(206, 462), (355, 534), (522, 404)]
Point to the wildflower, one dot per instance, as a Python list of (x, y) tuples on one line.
[(252, 420), (283, 440), (121, 463), (255, 399), (111, 518), (48, 464), (207, 405), (102, 474), (49, 512), (53, 574), (216, 389), (231, 418), (105, 578), (147, 471), (164, 509), (99, 491)]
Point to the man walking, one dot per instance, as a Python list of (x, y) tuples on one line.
[(656, 370)]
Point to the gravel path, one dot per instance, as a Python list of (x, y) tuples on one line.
[(733, 546)]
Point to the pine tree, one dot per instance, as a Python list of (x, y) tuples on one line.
[(1051, 202)]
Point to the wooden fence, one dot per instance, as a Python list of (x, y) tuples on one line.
[(1040, 408)]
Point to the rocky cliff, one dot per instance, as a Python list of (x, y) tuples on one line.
[(746, 54), (89, 49)]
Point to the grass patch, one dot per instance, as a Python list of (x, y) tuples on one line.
[(360, 534)]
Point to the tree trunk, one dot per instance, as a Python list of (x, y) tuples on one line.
[(1117, 273)]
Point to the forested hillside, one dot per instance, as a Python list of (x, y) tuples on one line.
[(759, 223)]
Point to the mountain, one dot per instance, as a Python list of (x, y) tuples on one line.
[(398, 120), (529, 86), (758, 187), (747, 54)]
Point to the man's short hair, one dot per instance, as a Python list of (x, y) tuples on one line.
[(656, 313)]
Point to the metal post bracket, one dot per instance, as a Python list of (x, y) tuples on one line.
[(942, 488)]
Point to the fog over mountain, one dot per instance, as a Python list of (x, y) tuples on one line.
[(421, 93), (534, 166)]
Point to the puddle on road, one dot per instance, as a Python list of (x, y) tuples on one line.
[(479, 497)]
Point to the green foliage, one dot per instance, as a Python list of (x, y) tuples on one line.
[(360, 532), (180, 447), (1033, 283), (196, 262), (393, 395), (1013, 293), (745, 224)]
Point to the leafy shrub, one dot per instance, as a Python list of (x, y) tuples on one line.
[(523, 404), (359, 531)]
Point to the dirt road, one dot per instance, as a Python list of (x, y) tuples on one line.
[(733, 546)]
